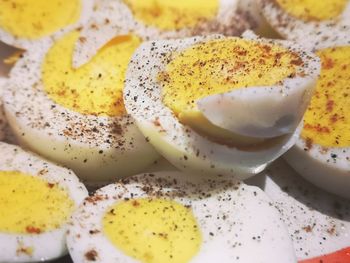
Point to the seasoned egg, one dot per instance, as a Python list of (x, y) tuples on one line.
[(216, 105), (322, 153), (318, 222), (37, 198), (24, 22), (172, 217), (76, 117), (159, 19), (307, 20)]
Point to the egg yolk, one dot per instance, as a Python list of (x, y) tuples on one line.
[(30, 205), (95, 88), (153, 230), (327, 120), (172, 15), (37, 18), (313, 10), (220, 66)]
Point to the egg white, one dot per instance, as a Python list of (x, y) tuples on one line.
[(112, 18), (179, 144), (318, 222), (47, 245), (23, 43), (241, 205), (292, 28), (84, 143)]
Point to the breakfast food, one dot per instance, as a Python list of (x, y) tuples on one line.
[(172, 217), (317, 222), (37, 198), (322, 153), (22, 23), (220, 106), (76, 117)]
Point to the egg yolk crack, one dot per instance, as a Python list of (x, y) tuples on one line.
[(31, 205), (172, 15), (38, 18), (153, 230), (95, 88), (327, 120), (221, 66), (313, 10)]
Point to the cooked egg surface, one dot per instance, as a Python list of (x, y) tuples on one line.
[(323, 151), (183, 145), (172, 217), (76, 117), (318, 222), (37, 198)]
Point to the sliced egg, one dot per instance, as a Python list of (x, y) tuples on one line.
[(318, 222), (37, 198), (159, 19), (76, 117), (22, 22), (307, 20), (172, 217), (209, 104), (322, 153)]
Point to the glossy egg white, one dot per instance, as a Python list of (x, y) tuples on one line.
[(46, 245), (87, 144), (113, 18), (236, 209), (318, 222), (190, 151), (23, 43)]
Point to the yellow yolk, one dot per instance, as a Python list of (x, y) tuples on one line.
[(171, 15), (153, 230), (30, 205), (314, 10), (37, 18), (221, 66), (95, 88), (327, 120)]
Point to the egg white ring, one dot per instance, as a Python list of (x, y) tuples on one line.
[(101, 154), (319, 223), (293, 28), (225, 212), (230, 20), (179, 144), (23, 43), (46, 245)]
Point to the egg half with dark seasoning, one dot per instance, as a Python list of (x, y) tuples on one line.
[(220, 106), (307, 20), (76, 117), (318, 222), (177, 218), (37, 198), (159, 19), (322, 154), (24, 22)]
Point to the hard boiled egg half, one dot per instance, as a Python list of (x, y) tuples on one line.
[(220, 106), (176, 218), (76, 117), (322, 153), (37, 198)]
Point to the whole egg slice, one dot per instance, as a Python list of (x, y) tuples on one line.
[(76, 117), (37, 199), (22, 22), (167, 80), (173, 217), (155, 19), (322, 153), (318, 222)]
